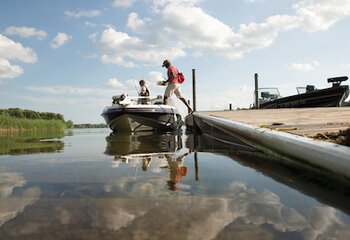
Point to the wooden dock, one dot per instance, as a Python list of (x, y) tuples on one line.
[(289, 140), (300, 121)]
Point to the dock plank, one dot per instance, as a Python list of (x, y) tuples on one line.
[(299, 121)]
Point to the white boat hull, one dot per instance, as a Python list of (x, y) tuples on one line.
[(142, 118)]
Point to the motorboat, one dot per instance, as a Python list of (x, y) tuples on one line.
[(307, 97), (133, 114)]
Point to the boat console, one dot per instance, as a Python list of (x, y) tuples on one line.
[(124, 99), (336, 81), (310, 88)]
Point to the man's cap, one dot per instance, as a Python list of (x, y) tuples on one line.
[(166, 62)]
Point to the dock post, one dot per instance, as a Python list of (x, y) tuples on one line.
[(194, 89), (256, 91), (196, 166), (230, 107)]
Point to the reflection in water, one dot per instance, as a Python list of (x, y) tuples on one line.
[(142, 143), (11, 206), (315, 184), (148, 147), (18, 143), (177, 170), (216, 197)]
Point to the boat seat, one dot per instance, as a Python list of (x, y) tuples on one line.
[(144, 100), (310, 88), (265, 94)]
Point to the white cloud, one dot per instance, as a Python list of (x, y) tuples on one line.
[(9, 181), (63, 90), (91, 56), (155, 76), (122, 3), (120, 46), (238, 97), (304, 67), (134, 22), (83, 13), (253, 1), (114, 83), (345, 65), (206, 33), (15, 51), (11, 206), (252, 213), (318, 15), (99, 91), (89, 24), (107, 59), (10, 50), (26, 32), (186, 26), (85, 102), (93, 37), (60, 40), (9, 71)]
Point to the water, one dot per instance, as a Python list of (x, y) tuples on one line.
[(89, 184)]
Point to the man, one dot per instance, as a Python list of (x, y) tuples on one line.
[(173, 84), (144, 92)]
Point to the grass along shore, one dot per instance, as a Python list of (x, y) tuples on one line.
[(14, 124)]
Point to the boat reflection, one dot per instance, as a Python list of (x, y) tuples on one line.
[(142, 143), (19, 143), (140, 149)]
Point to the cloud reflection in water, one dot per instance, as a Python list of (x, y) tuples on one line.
[(11, 206)]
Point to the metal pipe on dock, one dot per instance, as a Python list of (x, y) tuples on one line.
[(328, 156)]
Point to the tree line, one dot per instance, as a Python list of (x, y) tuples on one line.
[(16, 118), (30, 114), (34, 115)]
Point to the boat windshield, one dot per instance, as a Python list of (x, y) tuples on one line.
[(301, 90), (269, 93)]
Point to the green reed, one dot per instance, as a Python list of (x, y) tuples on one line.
[(9, 123)]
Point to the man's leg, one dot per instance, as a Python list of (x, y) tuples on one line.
[(187, 105), (178, 93), (168, 92), (165, 100)]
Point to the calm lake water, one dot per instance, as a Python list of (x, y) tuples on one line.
[(91, 184)]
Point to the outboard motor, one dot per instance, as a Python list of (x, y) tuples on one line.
[(336, 81), (118, 98)]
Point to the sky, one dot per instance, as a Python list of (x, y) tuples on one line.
[(71, 57)]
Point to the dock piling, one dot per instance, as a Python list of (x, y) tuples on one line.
[(194, 89), (256, 91)]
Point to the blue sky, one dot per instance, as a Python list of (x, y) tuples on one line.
[(70, 57)]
